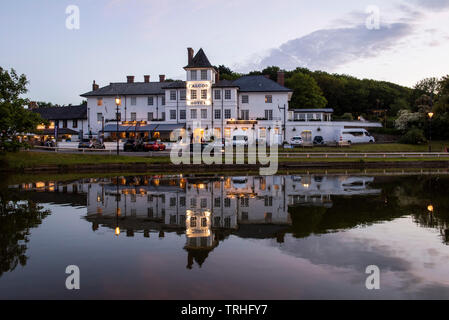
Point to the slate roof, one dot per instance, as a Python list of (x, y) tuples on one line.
[(63, 113), (225, 84), (329, 110), (125, 88), (259, 84), (200, 60)]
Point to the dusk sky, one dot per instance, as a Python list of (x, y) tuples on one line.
[(117, 38)]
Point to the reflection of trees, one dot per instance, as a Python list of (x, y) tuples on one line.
[(405, 196), (17, 217)]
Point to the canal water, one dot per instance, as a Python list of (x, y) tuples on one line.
[(309, 236)]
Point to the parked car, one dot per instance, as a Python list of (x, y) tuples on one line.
[(90, 144), (296, 141), (132, 145), (318, 141), (154, 146), (352, 136)]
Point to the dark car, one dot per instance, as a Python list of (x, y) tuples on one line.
[(132, 145), (318, 140), (90, 144), (154, 146)]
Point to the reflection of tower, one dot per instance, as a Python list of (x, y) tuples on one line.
[(200, 238)]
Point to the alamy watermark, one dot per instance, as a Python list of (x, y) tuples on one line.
[(372, 22), (72, 282), (72, 21), (373, 280), (187, 152)]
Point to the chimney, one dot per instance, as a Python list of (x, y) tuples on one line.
[(95, 86), (146, 78), (281, 78), (130, 79), (217, 77), (190, 53), (162, 78)]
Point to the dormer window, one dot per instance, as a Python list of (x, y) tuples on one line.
[(193, 75), (203, 74)]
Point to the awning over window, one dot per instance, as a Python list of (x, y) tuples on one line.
[(170, 127)]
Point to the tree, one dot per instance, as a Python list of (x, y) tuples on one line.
[(306, 92), (14, 118), (227, 74)]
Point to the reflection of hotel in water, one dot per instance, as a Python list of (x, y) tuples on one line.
[(206, 209)]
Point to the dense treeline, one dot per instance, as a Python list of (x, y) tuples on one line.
[(403, 110)]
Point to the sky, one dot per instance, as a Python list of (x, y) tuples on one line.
[(117, 38)]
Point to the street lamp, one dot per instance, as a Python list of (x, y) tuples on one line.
[(430, 114), (118, 103)]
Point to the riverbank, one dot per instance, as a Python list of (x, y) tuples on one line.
[(46, 162)]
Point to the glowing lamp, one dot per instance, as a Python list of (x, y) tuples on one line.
[(118, 101)]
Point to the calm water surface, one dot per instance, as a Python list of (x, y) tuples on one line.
[(187, 237)]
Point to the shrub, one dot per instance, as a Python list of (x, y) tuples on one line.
[(413, 136)]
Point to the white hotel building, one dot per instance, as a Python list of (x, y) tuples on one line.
[(204, 106)]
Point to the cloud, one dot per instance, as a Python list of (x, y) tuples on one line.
[(432, 4), (329, 48)]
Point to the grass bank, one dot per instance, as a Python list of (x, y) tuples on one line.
[(30, 162), (437, 146)]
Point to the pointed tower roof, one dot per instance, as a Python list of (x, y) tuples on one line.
[(199, 61)]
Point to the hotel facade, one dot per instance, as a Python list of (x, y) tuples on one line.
[(205, 108)]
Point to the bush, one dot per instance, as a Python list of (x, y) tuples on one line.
[(413, 136)]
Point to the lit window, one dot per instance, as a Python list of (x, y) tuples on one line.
[(204, 94), (227, 132), (193, 222), (193, 95), (99, 102), (268, 99)]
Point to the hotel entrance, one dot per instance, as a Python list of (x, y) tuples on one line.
[(198, 135)]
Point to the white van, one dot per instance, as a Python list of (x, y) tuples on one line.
[(355, 136)]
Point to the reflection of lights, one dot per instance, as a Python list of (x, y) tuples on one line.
[(430, 208), (40, 185), (119, 211), (306, 185), (157, 182), (98, 199), (117, 231)]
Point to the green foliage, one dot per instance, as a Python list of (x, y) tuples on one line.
[(14, 118), (413, 136), (306, 92), (347, 117)]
